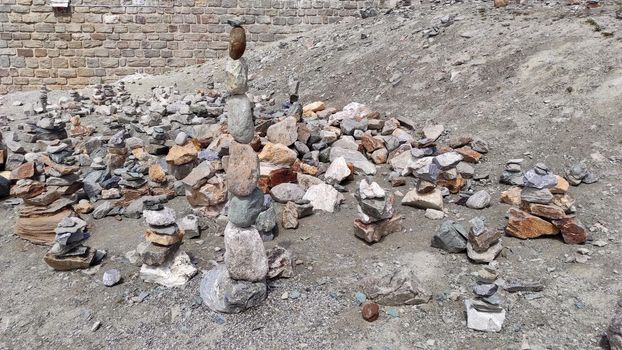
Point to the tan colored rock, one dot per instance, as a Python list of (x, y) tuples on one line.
[(453, 185), (27, 189), (431, 200), (511, 196), (524, 225), (561, 187), (164, 240), (277, 153), (501, 3), (564, 201), (156, 173), (311, 108), (380, 156), (283, 132), (83, 207), (179, 155)]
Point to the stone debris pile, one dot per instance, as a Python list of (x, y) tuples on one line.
[(68, 252), (163, 262), (440, 169), (543, 206)]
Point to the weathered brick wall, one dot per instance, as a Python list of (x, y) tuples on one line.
[(102, 40)]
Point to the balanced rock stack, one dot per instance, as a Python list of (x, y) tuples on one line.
[(117, 151), (484, 243), (181, 158), (68, 253), (240, 283), (376, 213), (546, 208), (163, 262)]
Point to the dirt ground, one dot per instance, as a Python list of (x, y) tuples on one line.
[(540, 82)]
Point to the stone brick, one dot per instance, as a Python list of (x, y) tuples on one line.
[(67, 73), (25, 53)]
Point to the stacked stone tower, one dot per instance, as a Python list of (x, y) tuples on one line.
[(240, 283)]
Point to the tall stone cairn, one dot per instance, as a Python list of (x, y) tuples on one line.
[(240, 284)]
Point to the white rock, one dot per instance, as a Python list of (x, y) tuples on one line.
[(434, 214), (372, 190), (483, 321), (323, 197), (433, 132), (175, 272), (337, 171), (448, 160)]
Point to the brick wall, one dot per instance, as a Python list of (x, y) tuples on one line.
[(102, 40)]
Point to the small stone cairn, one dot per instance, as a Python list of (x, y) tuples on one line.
[(241, 283)]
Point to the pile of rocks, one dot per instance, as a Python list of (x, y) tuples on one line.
[(68, 252), (440, 170), (163, 262), (481, 243), (545, 207), (241, 282), (485, 312), (376, 213)]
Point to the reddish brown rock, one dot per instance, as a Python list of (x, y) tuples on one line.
[(62, 168), (237, 42), (524, 225), (24, 171), (511, 196), (453, 185), (550, 212), (27, 189), (40, 229), (282, 175), (374, 232), (469, 154), (370, 312), (572, 230), (480, 243), (371, 143)]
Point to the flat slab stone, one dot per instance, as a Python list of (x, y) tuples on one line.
[(358, 160)]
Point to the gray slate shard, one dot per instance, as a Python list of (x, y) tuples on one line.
[(539, 181), (452, 237), (223, 294), (243, 211)]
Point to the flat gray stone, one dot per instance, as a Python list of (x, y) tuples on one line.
[(452, 237), (164, 217), (287, 192), (240, 122)]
